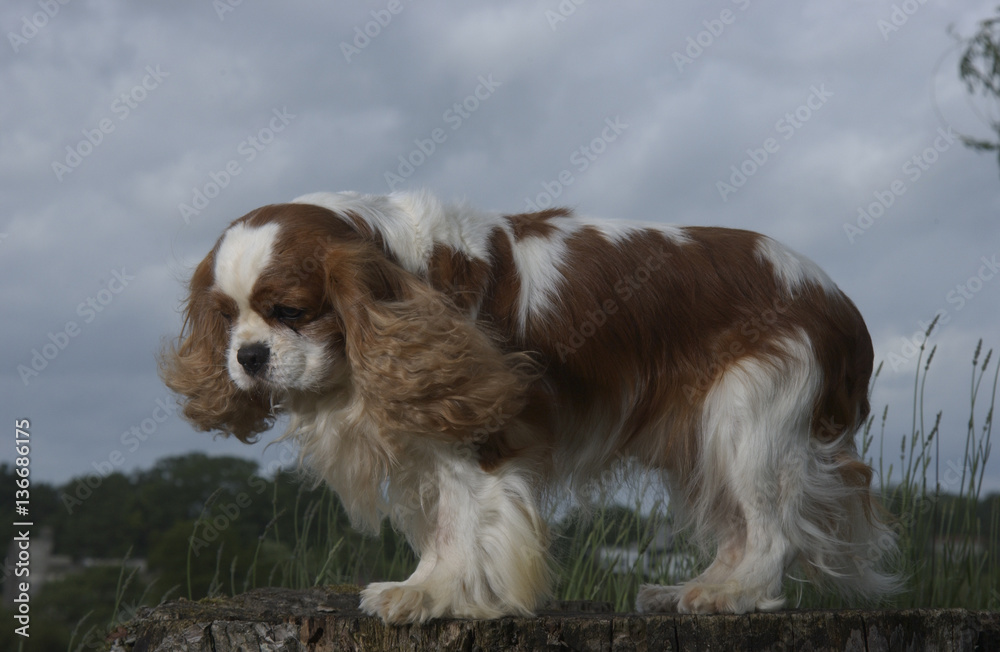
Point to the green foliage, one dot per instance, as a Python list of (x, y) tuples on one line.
[(322, 547), (979, 69), (46, 634), (77, 611), (90, 602), (106, 524), (605, 555), (949, 533)]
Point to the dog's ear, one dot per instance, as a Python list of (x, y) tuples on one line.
[(420, 365), (194, 366)]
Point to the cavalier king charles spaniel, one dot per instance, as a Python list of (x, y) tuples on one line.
[(446, 368)]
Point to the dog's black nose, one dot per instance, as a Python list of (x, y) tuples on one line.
[(253, 357)]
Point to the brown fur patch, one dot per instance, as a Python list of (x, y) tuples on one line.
[(460, 277)]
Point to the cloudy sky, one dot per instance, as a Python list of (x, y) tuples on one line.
[(132, 133)]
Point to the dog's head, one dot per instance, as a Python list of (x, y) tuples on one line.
[(297, 299)]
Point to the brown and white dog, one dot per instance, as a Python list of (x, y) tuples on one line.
[(445, 367)]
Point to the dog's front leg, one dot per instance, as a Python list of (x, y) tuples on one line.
[(482, 544)]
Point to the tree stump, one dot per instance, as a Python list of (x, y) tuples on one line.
[(324, 619)]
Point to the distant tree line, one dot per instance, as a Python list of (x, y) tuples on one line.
[(204, 525)]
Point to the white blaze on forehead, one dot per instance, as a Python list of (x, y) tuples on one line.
[(243, 256)]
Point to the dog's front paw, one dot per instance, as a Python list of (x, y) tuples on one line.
[(396, 602), (654, 598)]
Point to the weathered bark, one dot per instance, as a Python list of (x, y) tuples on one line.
[(321, 619)]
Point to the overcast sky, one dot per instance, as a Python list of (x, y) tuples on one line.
[(132, 133)]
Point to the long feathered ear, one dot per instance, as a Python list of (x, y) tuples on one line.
[(420, 365), (194, 366)]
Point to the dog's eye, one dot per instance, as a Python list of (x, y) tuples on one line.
[(287, 313), (227, 316)]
